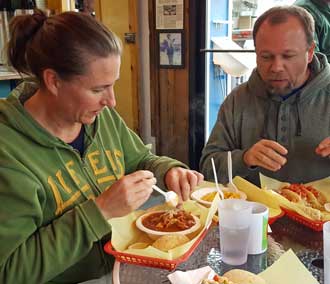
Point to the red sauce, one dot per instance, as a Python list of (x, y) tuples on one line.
[(169, 221)]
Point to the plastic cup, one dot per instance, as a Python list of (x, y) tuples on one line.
[(326, 251), (234, 226), (258, 242)]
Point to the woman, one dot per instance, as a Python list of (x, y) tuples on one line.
[(68, 161)]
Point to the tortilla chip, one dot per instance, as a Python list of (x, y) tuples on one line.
[(168, 242), (138, 246)]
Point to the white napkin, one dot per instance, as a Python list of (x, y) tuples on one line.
[(191, 276)]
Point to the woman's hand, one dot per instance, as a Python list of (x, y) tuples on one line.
[(323, 149), (182, 181), (126, 195)]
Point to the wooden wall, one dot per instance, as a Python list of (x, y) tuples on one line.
[(169, 96), (170, 89), (120, 17)]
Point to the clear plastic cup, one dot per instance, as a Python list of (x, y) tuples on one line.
[(234, 225)]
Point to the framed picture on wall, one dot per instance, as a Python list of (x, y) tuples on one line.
[(169, 14), (171, 49)]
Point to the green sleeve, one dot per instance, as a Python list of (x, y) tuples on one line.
[(34, 252), (224, 138), (139, 157)]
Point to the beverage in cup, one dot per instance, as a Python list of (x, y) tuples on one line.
[(234, 226), (258, 242)]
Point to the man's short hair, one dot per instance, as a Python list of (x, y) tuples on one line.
[(280, 14)]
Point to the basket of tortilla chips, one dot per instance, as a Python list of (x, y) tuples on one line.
[(154, 261)]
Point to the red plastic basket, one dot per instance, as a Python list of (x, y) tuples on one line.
[(271, 220), (315, 225), (152, 261)]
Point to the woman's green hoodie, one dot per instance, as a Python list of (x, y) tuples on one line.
[(50, 227)]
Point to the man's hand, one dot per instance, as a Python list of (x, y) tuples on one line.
[(267, 154), (323, 149), (182, 181), (126, 195)]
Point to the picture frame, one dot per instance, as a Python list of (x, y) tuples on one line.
[(171, 49)]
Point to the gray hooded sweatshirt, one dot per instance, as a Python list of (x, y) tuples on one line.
[(299, 123)]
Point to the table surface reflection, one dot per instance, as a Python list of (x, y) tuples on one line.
[(306, 243)]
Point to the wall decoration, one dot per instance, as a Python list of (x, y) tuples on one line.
[(171, 49), (169, 14)]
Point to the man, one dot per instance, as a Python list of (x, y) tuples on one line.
[(320, 10), (278, 122)]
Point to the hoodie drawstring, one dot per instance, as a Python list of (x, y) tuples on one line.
[(264, 128), (296, 102)]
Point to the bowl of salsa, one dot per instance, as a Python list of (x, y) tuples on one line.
[(169, 222)]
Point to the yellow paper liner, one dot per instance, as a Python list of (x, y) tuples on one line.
[(125, 233)]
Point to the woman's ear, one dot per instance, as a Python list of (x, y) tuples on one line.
[(51, 80)]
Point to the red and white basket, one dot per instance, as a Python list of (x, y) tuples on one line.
[(152, 261), (315, 225)]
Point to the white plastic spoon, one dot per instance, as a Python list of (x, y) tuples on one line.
[(231, 185), (216, 180), (171, 198)]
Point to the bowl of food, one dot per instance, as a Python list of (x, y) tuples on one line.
[(168, 222), (206, 195)]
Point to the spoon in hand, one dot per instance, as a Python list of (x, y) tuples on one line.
[(171, 198)]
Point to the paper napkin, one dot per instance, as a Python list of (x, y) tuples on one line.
[(191, 276), (288, 269)]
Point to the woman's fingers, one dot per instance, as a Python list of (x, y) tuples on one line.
[(182, 181)]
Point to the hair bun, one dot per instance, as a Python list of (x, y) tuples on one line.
[(39, 16)]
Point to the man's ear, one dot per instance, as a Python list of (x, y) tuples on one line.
[(311, 50), (51, 80)]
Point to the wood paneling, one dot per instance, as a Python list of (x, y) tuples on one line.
[(170, 96), (121, 18), (59, 6)]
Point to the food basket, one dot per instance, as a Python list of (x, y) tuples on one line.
[(271, 220), (151, 261), (315, 225)]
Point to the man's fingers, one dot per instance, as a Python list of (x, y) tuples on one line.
[(323, 149), (324, 143), (267, 154), (267, 163), (277, 147), (271, 156), (324, 152)]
